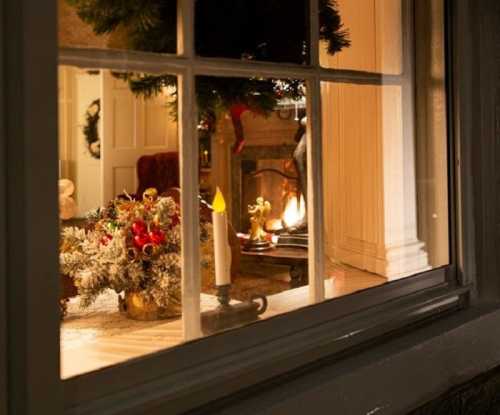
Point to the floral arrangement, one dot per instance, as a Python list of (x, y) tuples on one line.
[(132, 247)]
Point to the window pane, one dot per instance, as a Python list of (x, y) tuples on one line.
[(386, 170), (251, 136), (149, 26), (385, 180), (264, 30), (369, 37), (120, 243)]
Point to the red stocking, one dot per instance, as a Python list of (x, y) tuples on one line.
[(236, 111)]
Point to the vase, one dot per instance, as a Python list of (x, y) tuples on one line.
[(135, 306)]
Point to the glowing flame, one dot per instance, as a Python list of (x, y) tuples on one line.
[(219, 205), (294, 211)]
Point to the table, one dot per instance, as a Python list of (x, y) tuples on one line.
[(295, 258)]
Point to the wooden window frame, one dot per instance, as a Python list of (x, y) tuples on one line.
[(182, 378)]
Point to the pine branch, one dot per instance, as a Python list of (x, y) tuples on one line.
[(235, 28)]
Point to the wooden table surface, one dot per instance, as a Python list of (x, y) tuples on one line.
[(279, 252)]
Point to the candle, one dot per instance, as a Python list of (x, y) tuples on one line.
[(222, 250)]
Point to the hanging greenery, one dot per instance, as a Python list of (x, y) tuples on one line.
[(265, 30), (91, 128)]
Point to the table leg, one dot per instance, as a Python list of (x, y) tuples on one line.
[(298, 275)]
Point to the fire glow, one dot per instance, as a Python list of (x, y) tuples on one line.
[(294, 211)]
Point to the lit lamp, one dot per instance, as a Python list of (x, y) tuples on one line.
[(227, 315)]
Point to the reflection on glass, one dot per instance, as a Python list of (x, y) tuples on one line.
[(259, 30), (149, 26)]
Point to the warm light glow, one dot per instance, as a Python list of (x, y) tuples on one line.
[(273, 225), (294, 211), (219, 205)]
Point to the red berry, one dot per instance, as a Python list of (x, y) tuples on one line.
[(141, 240), (106, 238), (157, 236), (138, 227)]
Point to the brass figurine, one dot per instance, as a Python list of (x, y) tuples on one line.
[(150, 195), (258, 213)]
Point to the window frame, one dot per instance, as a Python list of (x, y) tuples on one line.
[(188, 376), (3, 250)]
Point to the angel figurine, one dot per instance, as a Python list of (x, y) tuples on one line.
[(258, 215)]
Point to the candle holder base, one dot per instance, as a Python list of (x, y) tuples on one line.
[(227, 316), (257, 246)]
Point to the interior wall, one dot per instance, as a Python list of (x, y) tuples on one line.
[(77, 90), (353, 205), (375, 32), (371, 168), (352, 132), (88, 168), (66, 100)]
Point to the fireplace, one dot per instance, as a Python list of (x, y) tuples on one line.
[(266, 171)]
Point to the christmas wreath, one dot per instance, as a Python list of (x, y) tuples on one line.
[(268, 30), (91, 128)]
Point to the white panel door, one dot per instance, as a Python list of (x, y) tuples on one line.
[(132, 127)]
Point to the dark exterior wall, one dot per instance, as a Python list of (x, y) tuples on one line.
[(486, 150), (394, 377)]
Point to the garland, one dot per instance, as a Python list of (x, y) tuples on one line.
[(91, 128), (240, 29)]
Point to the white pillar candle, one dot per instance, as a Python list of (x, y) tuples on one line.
[(222, 251)]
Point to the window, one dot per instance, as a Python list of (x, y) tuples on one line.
[(342, 185)]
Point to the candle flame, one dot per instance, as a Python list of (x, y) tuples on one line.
[(219, 205)]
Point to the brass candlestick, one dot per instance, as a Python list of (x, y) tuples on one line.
[(227, 315)]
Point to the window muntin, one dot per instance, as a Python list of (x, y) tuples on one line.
[(317, 290)]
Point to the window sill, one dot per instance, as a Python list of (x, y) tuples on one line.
[(197, 384)]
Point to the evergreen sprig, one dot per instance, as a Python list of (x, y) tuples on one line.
[(270, 30)]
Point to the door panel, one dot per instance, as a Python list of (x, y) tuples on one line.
[(132, 127)]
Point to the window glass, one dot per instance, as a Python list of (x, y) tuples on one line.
[(120, 218), (369, 38), (253, 155), (276, 30), (148, 26), (385, 168), (384, 159)]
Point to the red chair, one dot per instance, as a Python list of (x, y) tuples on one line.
[(160, 171)]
